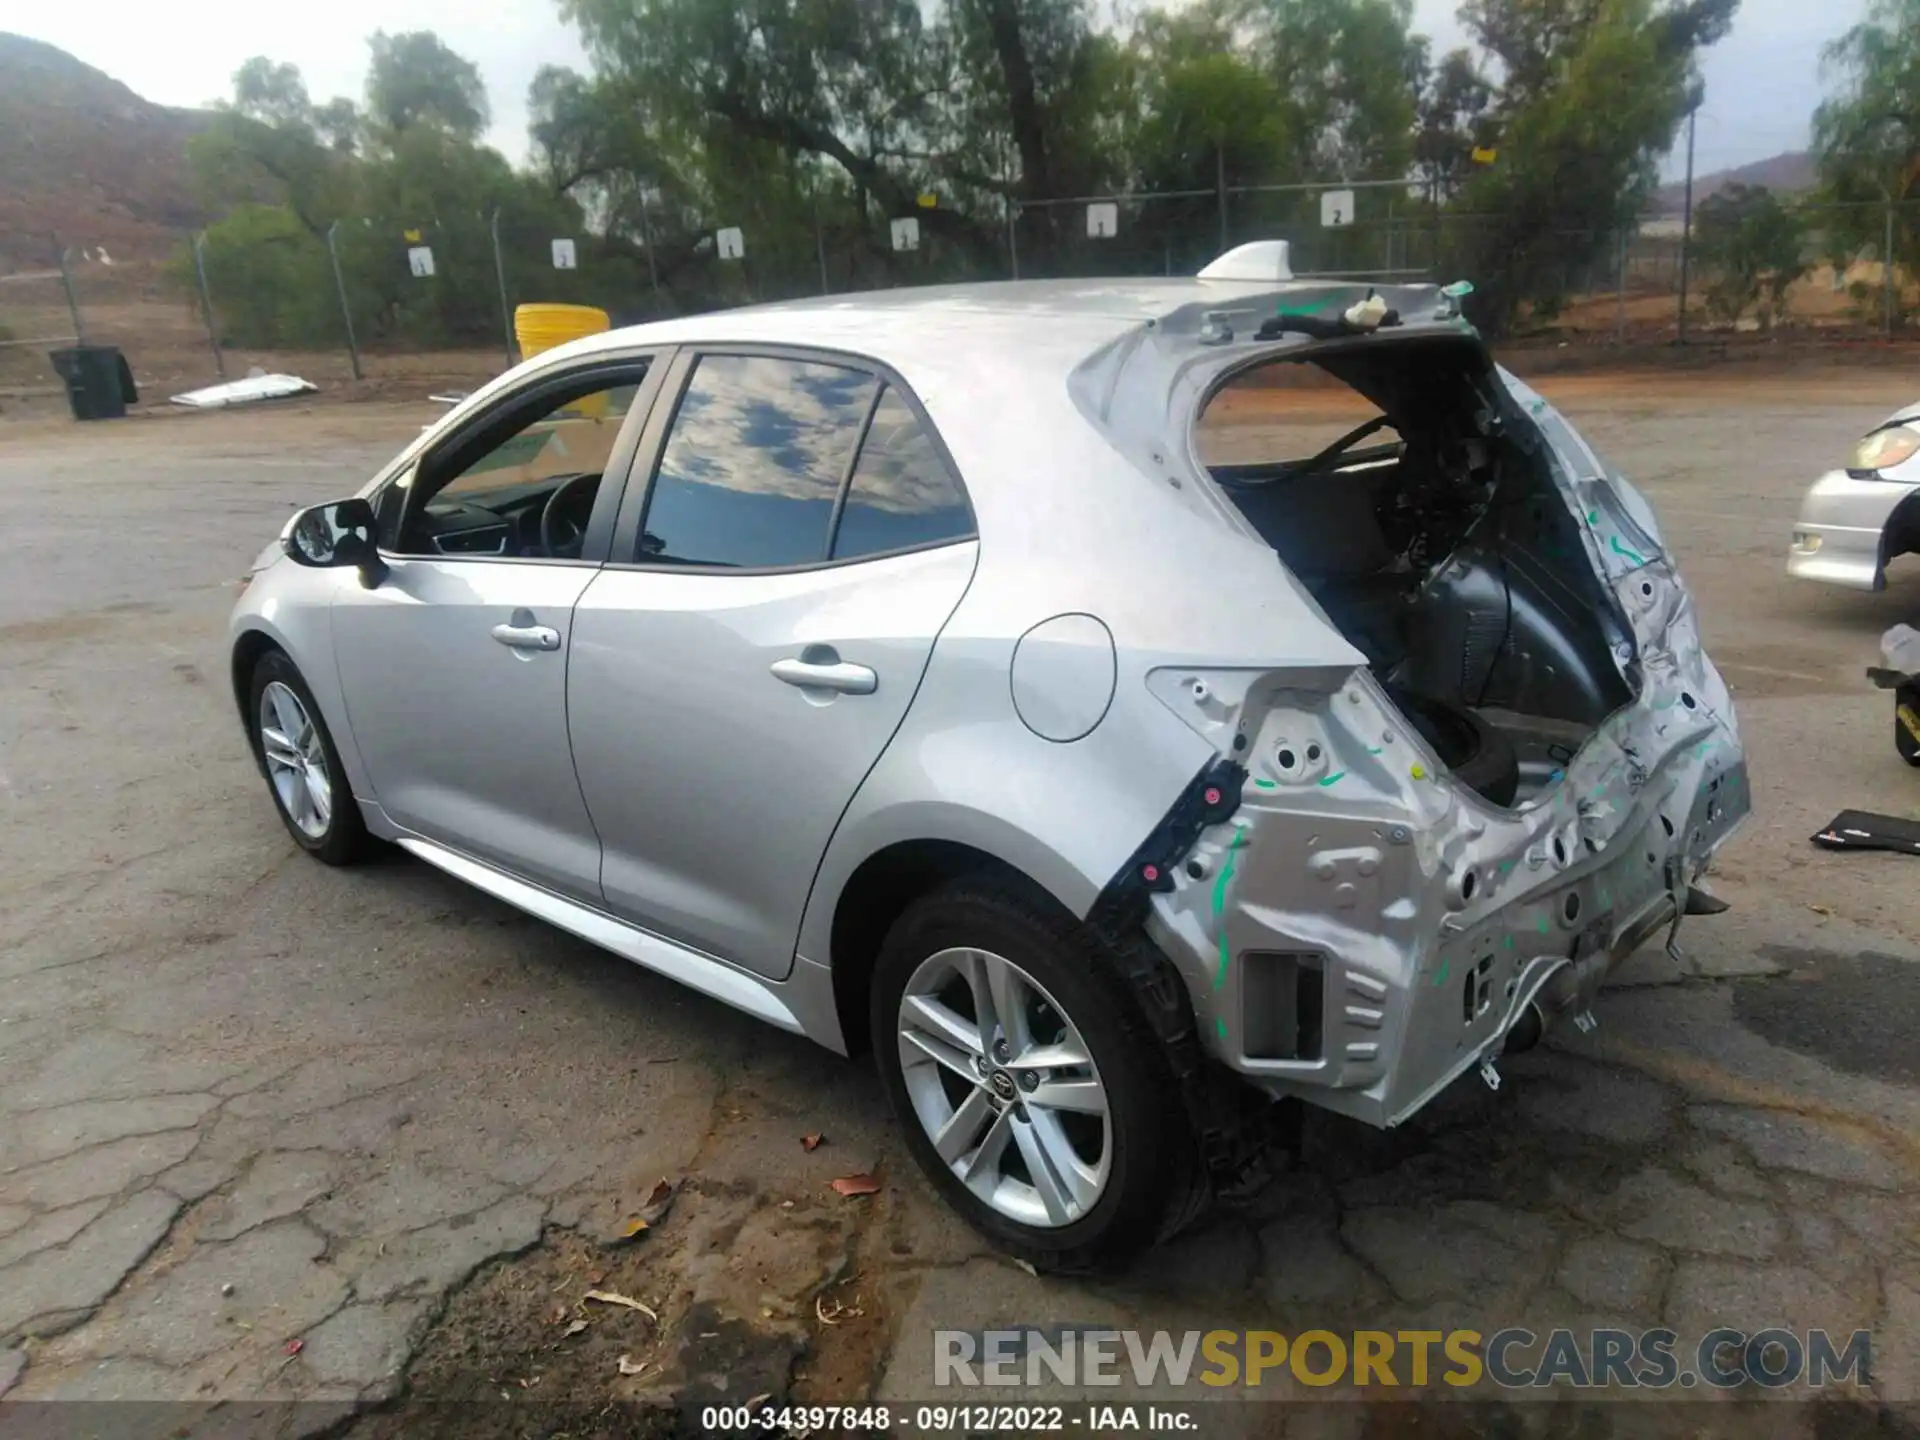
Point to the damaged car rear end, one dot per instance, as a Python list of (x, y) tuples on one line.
[(1394, 870)]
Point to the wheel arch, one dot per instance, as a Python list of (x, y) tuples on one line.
[(249, 648), (877, 893)]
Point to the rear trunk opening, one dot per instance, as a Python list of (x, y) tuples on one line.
[(1404, 488)]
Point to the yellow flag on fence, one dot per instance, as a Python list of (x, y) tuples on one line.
[(1485, 154), (928, 200), (412, 236)]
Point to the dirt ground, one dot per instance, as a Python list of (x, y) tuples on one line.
[(341, 1144)]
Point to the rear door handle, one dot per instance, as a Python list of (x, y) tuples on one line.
[(527, 637), (827, 675)]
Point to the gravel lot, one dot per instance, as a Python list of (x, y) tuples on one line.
[(247, 1101)]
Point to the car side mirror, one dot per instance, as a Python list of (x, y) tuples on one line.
[(339, 533)]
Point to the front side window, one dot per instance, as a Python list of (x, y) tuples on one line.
[(756, 455), (523, 483), (902, 495)]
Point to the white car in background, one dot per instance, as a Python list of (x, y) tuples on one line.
[(1854, 520)]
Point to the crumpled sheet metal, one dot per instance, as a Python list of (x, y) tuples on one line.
[(1436, 916)]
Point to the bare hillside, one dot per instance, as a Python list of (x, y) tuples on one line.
[(84, 158)]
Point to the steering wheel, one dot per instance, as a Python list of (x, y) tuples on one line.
[(557, 529)]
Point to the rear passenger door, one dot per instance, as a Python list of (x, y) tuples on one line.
[(773, 596)]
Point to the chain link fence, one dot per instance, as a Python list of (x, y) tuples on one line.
[(402, 299)]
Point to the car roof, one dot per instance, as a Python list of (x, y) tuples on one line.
[(1058, 320)]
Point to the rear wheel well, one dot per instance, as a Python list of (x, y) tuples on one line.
[(886, 883)]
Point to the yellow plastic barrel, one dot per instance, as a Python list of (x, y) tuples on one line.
[(541, 327)]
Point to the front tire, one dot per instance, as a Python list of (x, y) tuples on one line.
[(303, 770), (1032, 1090)]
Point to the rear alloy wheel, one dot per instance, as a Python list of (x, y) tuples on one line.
[(1028, 1082), (1004, 1086), (301, 764)]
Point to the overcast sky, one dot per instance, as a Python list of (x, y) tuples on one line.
[(1762, 81)]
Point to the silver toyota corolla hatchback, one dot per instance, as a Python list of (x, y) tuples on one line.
[(1118, 704)]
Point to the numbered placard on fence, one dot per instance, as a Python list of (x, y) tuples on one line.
[(420, 260), (730, 244), (1103, 220), (564, 256), (1336, 208), (906, 233)]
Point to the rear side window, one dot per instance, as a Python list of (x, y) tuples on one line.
[(902, 494), (754, 461)]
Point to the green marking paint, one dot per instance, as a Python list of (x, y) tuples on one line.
[(1446, 969), (1266, 784), (1509, 942), (1593, 517), (1626, 551), (1374, 750), (1506, 867), (1543, 924), (1220, 1027), (1220, 904), (1336, 775)]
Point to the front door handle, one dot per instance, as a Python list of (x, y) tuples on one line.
[(527, 637), (835, 674)]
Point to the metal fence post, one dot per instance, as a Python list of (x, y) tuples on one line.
[(1886, 266), (1620, 279), (1220, 188), (66, 283), (646, 244), (820, 246), (206, 304), (500, 278), (1013, 243), (346, 312)]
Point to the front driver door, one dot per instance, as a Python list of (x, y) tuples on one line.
[(454, 666), (756, 639)]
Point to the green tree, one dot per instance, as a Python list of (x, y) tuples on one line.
[(1754, 247), (1593, 92), (1867, 136), (416, 81)]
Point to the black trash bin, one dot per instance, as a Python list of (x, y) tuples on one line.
[(99, 381)]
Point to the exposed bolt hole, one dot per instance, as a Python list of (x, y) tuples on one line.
[(1652, 859), (1571, 909), (1196, 869), (1287, 759), (1313, 752), (1646, 588), (1666, 825), (1469, 883), (1239, 742), (1559, 851), (1687, 700)]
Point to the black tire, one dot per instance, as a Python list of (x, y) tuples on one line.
[(1904, 740), (345, 838), (1155, 1182)]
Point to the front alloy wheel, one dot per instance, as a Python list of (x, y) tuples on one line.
[(301, 763), (296, 763), (1004, 1087)]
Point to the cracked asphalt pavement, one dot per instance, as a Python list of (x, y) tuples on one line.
[(270, 1131)]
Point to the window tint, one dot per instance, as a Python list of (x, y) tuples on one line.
[(565, 437), (902, 495), (753, 462)]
